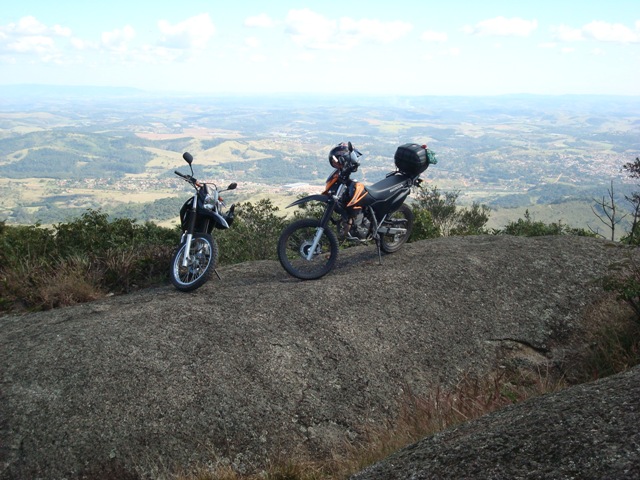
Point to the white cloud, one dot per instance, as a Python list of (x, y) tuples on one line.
[(608, 32), (262, 21), (191, 33), (118, 39), (503, 27), (599, 31), (567, 34), (315, 31), (310, 29), (431, 36), (29, 35), (384, 32), (61, 31), (78, 43), (31, 44), (29, 26)]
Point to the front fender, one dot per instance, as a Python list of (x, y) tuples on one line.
[(218, 220), (310, 198)]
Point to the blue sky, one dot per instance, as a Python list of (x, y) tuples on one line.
[(419, 47)]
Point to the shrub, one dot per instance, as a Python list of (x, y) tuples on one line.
[(81, 260), (624, 280), (447, 217), (253, 235), (423, 226), (527, 227)]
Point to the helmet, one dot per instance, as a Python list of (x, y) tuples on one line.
[(339, 155)]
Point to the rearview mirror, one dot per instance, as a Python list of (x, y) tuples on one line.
[(232, 186)]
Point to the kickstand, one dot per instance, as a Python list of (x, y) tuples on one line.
[(379, 252), (217, 274)]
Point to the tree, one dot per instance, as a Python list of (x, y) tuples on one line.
[(633, 237), (633, 170), (472, 220), (441, 206), (447, 217), (253, 235), (606, 212)]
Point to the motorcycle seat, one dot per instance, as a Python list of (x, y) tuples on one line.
[(385, 187)]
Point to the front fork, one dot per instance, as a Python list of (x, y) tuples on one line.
[(326, 216), (190, 229)]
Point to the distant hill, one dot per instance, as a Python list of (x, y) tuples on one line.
[(26, 94), (116, 149)]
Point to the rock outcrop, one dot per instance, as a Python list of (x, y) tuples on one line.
[(260, 365), (588, 432)]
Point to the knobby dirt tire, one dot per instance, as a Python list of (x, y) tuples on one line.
[(202, 262), (392, 243), (294, 243)]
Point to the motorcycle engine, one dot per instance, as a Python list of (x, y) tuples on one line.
[(361, 225)]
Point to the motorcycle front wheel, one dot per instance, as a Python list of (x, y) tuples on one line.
[(295, 243), (203, 255), (401, 218)]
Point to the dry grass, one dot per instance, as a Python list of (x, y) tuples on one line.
[(612, 341), (39, 285), (418, 416)]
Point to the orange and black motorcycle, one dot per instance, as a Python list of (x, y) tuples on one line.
[(308, 248)]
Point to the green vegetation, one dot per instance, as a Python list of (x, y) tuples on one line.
[(528, 227), (253, 235), (79, 261), (62, 154), (93, 255), (446, 216)]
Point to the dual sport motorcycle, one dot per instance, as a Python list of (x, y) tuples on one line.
[(308, 248), (195, 257)]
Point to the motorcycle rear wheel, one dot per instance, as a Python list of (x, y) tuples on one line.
[(401, 218), (203, 256), (294, 244)]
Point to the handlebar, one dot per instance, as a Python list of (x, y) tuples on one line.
[(188, 178)]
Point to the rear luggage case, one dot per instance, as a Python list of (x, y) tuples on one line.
[(413, 159)]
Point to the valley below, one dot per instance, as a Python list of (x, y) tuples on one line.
[(63, 153)]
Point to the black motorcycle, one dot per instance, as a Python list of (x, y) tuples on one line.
[(308, 248), (195, 257)]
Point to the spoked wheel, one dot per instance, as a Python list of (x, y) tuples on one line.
[(200, 264), (296, 242), (402, 219)]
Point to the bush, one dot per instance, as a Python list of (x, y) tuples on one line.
[(447, 217), (527, 227), (79, 261), (253, 235), (423, 226), (624, 280)]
